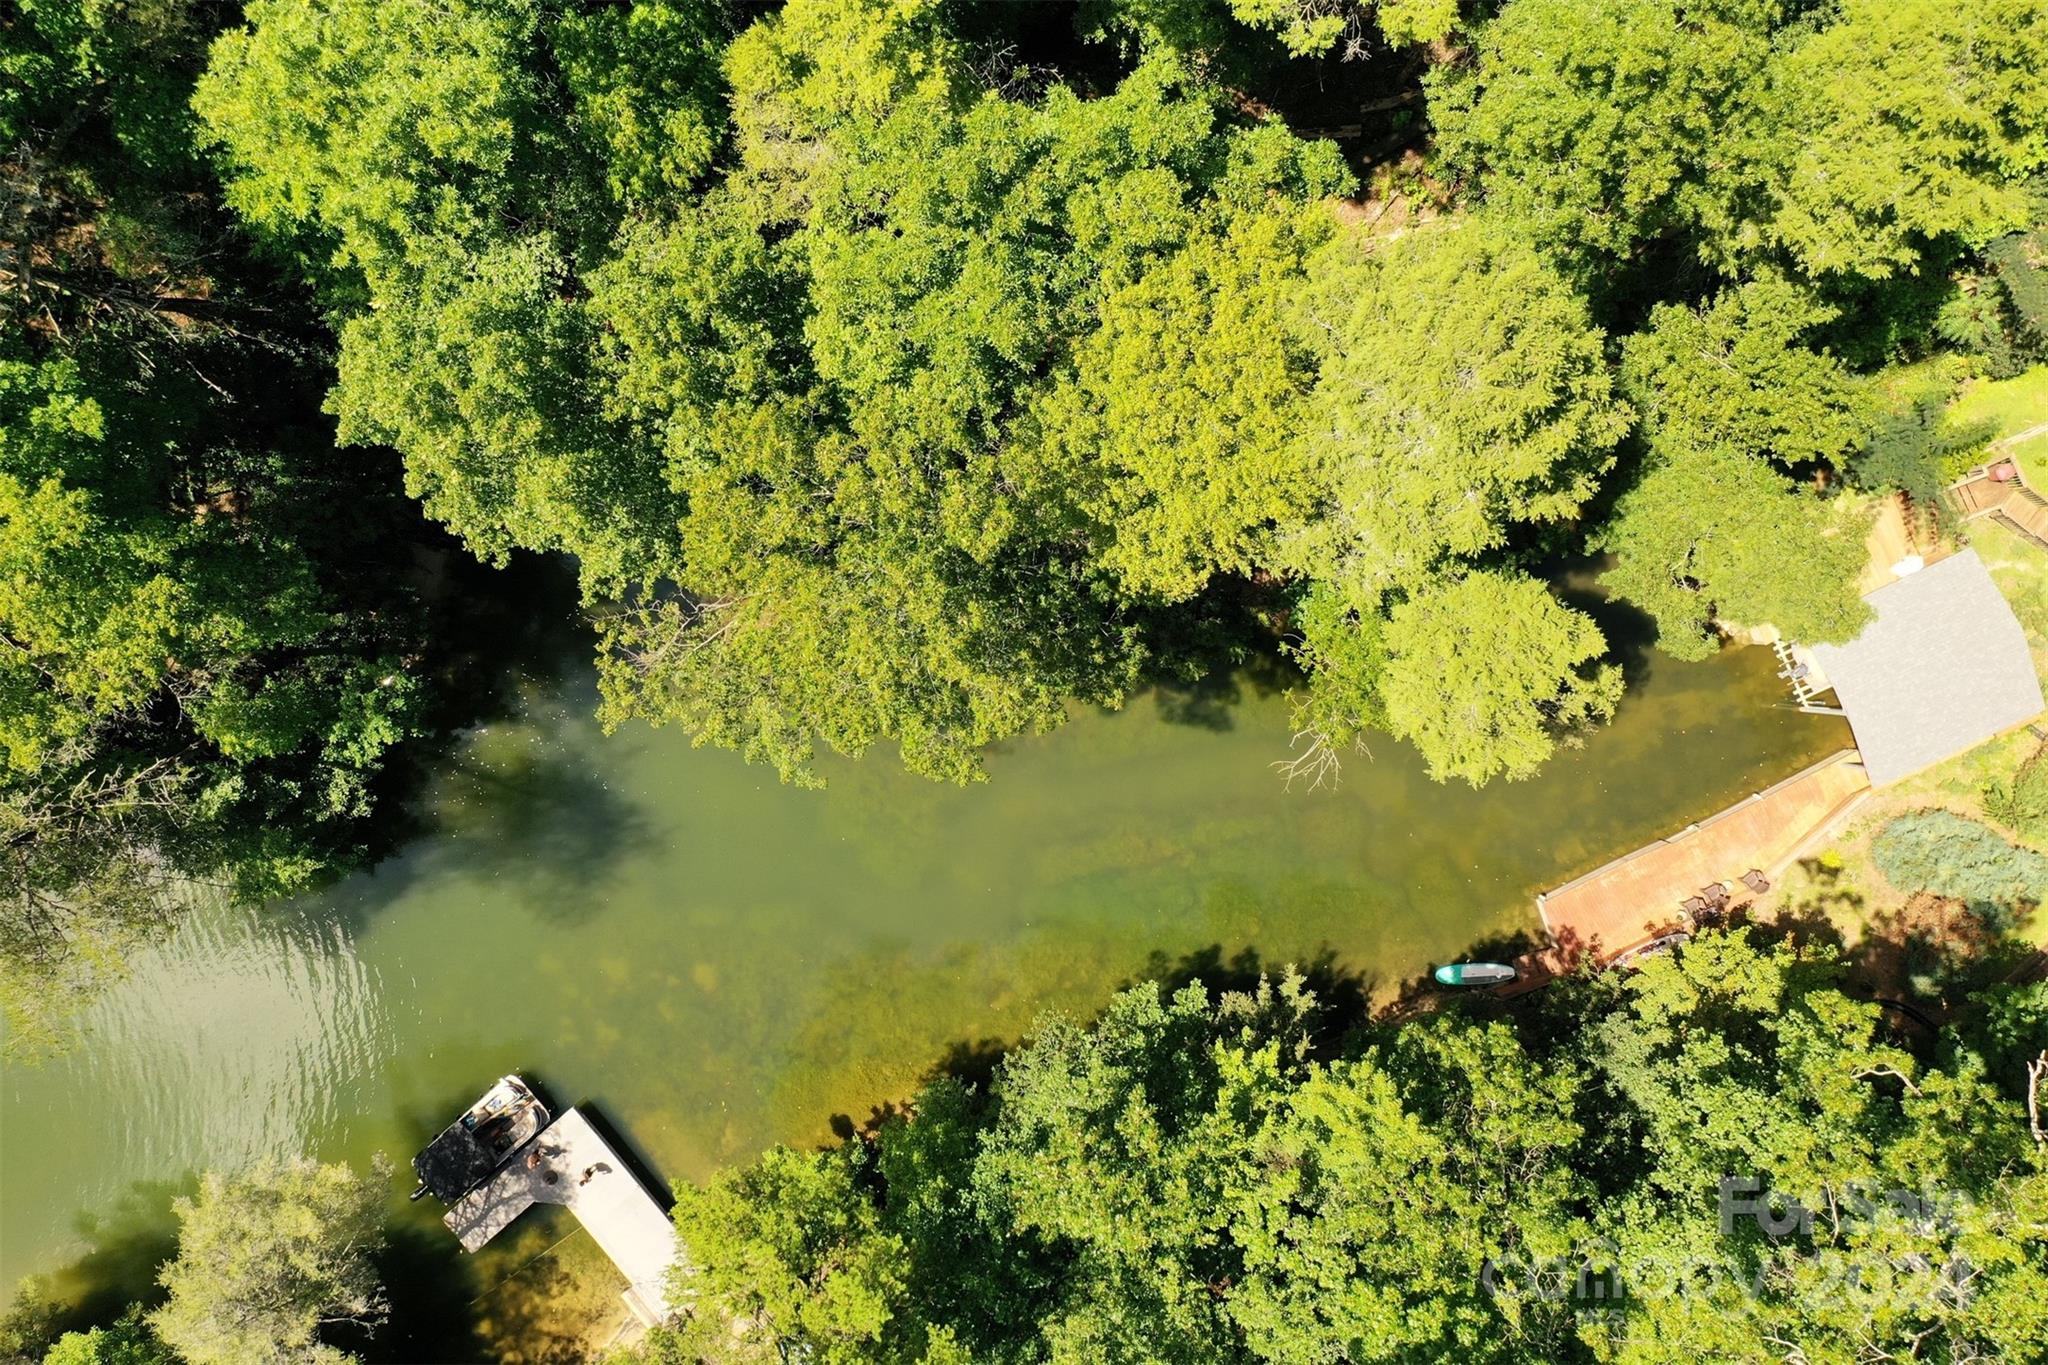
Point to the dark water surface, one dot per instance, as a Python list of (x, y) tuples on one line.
[(721, 962)]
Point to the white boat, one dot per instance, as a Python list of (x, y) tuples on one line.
[(471, 1149)]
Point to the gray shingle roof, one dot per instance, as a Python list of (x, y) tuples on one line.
[(1943, 668)]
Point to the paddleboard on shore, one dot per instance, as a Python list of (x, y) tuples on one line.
[(1474, 974)]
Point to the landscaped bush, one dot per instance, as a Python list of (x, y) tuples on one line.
[(2023, 803), (1942, 852)]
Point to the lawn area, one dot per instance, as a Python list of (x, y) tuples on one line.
[(2013, 405), (1843, 882)]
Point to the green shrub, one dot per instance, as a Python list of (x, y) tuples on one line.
[(1941, 852), (2023, 802)]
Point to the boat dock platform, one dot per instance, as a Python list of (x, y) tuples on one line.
[(571, 1164), (1640, 897)]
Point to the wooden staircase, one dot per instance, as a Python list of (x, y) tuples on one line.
[(2010, 503), (2026, 512)]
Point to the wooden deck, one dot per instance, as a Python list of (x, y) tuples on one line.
[(1639, 896), (2010, 503), (619, 1212)]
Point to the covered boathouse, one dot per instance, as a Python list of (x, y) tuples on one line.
[(1942, 668)]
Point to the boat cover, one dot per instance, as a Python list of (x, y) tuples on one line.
[(454, 1163)]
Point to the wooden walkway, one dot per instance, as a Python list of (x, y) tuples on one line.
[(1638, 897), (570, 1163)]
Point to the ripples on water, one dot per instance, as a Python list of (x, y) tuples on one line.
[(720, 962), (245, 1035)]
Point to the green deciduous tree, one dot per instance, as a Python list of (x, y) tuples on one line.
[(379, 129), (1347, 29), (1752, 1063), (1180, 423), (1462, 389), (1708, 536), (1603, 127), (1845, 143), (814, 499), (795, 1259), (1902, 123), (129, 1341), (268, 1257), (185, 697), (1737, 376), (1195, 1179), (1484, 672), (1313, 28), (106, 599), (646, 83), (1710, 530)]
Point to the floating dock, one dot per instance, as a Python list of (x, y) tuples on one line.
[(571, 1164)]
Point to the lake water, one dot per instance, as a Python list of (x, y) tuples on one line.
[(720, 962)]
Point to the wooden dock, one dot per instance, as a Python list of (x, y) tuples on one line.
[(571, 1164), (1639, 896)]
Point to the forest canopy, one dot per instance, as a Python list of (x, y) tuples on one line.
[(1227, 1177), (908, 373), (886, 387), (207, 661)]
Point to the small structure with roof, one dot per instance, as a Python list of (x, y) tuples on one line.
[(1942, 668)]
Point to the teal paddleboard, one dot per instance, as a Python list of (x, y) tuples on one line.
[(1474, 974)]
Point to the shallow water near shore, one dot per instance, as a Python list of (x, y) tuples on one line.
[(719, 962)]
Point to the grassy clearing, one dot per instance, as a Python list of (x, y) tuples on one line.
[(2013, 405), (2020, 569)]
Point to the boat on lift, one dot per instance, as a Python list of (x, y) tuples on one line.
[(471, 1149)]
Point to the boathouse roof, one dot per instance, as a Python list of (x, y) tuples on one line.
[(1943, 667)]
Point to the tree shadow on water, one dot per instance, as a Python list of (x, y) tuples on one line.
[(541, 822), (126, 1246), (431, 1291), (1631, 633), (497, 637), (129, 1244), (558, 829), (971, 1063), (1209, 700), (1205, 658)]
